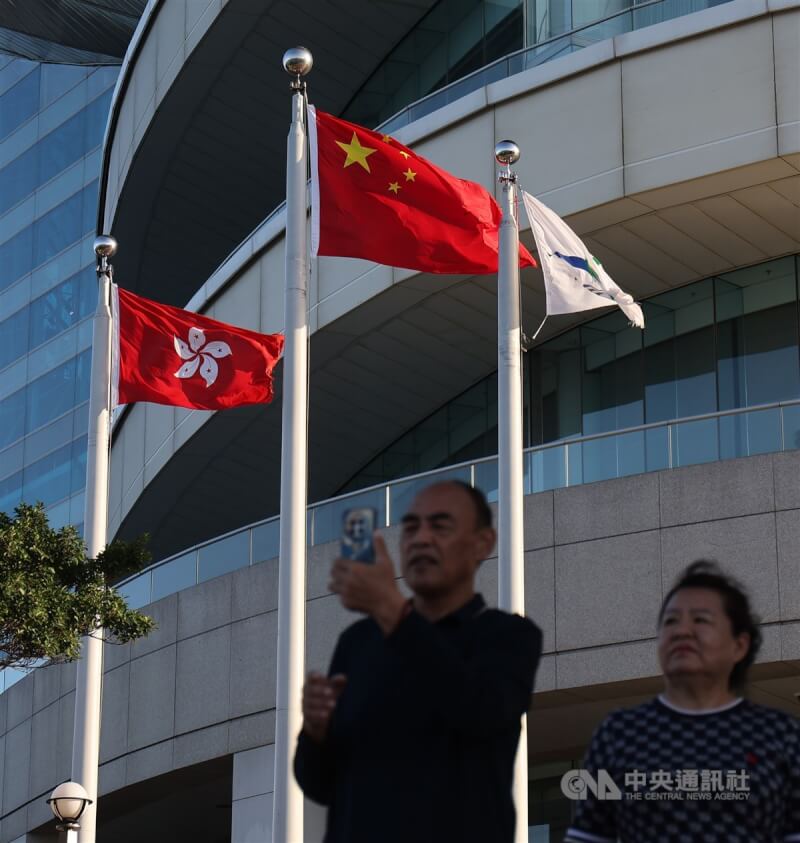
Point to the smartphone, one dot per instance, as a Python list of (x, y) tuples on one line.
[(358, 526)]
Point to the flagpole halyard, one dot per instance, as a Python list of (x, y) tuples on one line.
[(287, 823), (89, 679), (510, 550)]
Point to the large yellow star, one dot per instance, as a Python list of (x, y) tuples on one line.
[(356, 154), (410, 174), (394, 187)]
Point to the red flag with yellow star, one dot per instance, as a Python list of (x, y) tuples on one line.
[(373, 198)]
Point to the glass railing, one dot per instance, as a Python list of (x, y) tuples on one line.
[(766, 429)]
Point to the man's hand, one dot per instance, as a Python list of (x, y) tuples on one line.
[(370, 588), (319, 700)]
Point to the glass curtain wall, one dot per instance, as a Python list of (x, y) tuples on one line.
[(52, 119), (722, 343)]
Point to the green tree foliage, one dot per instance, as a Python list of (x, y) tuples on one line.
[(51, 594)]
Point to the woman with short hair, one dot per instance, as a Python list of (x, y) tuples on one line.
[(698, 764)]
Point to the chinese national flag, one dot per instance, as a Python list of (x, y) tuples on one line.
[(374, 198), (170, 356)]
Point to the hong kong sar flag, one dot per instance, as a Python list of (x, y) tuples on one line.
[(170, 356)]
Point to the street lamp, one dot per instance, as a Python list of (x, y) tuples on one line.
[(68, 801)]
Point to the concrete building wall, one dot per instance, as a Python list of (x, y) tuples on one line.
[(678, 113), (598, 560)]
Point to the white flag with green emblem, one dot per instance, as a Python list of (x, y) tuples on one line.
[(574, 279)]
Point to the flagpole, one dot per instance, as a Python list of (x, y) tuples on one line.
[(287, 818), (89, 680), (510, 544)]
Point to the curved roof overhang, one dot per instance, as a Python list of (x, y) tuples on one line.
[(69, 31), (211, 164)]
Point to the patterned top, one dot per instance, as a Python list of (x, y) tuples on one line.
[(730, 775)]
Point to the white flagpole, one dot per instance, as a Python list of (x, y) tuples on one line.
[(287, 818), (89, 681), (510, 540)]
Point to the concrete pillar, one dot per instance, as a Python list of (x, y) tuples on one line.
[(252, 800), (253, 795)]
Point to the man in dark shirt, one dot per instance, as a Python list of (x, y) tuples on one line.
[(412, 735)]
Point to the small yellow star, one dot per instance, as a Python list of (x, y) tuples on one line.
[(410, 174), (356, 154), (386, 139), (404, 153), (394, 187)]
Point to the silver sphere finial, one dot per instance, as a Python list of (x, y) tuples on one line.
[(506, 152), (297, 61), (105, 246)]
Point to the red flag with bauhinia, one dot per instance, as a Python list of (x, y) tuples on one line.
[(171, 356), (373, 198)]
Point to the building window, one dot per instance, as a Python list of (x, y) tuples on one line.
[(718, 344)]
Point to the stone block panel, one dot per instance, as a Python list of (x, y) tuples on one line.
[(149, 762), (43, 749), (610, 508), (19, 702), (114, 723), (540, 594), (202, 745), (251, 731), (254, 772), (254, 664), (790, 642), (538, 520), (254, 590), (326, 618), (151, 711), (251, 818), (16, 772), (607, 590), (787, 479), (202, 688), (716, 490), (597, 665), (46, 686), (744, 547), (203, 607), (165, 615), (111, 775), (66, 715), (787, 526)]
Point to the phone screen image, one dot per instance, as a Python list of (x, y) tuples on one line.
[(357, 528)]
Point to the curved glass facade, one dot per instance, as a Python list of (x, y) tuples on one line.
[(52, 119), (718, 344), (466, 40)]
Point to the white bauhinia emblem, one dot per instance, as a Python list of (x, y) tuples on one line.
[(201, 355)]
